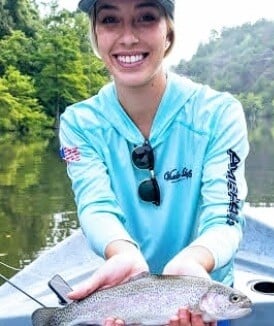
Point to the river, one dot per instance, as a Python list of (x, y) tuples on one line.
[(37, 209)]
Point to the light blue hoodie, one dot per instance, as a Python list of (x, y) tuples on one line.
[(199, 139)]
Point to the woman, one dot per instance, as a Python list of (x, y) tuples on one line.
[(156, 161)]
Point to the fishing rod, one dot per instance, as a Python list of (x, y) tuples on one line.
[(22, 291)]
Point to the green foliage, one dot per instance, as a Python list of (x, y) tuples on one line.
[(46, 64), (61, 80), (19, 108), (66, 73), (19, 15), (5, 21), (15, 51), (239, 60), (251, 102)]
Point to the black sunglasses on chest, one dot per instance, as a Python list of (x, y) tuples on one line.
[(143, 158)]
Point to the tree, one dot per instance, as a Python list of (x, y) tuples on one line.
[(5, 20), (19, 15), (46, 64), (252, 104), (65, 70), (240, 60), (16, 51), (20, 110)]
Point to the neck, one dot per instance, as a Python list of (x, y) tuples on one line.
[(141, 103)]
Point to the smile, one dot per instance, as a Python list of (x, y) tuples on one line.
[(131, 59)]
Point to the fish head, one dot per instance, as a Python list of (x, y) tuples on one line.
[(221, 302)]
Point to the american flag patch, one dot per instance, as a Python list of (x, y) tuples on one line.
[(70, 154)]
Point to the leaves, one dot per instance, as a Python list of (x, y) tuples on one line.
[(20, 109), (46, 64), (239, 60)]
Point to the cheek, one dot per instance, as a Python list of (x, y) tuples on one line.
[(163, 39), (104, 41)]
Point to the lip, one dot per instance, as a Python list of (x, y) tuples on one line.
[(130, 59)]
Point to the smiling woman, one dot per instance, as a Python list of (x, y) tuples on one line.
[(159, 178), (129, 37)]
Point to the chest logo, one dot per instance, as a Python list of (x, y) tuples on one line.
[(177, 175)]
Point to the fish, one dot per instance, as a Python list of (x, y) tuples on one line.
[(150, 299)]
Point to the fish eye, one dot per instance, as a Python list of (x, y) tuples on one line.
[(234, 298)]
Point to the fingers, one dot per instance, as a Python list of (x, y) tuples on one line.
[(111, 321), (196, 320), (185, 318), (83, 291), (80, 293)]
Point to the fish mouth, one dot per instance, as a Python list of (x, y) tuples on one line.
[(234, 314), (240, 313), (247, 304)]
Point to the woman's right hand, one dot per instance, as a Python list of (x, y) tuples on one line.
[(124, 261)]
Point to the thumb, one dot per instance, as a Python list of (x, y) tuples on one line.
[(86, 289)]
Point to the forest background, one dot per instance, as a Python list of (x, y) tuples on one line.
[(46, 64)]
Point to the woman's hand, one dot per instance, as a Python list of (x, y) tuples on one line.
[(185, 318), (194, 261), (124, 261), (189, 267)]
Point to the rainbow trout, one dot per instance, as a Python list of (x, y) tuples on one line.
[(150, 300)]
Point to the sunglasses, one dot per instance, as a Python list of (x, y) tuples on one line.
[(143, 158)]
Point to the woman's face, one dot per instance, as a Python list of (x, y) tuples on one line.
[(132, 38)]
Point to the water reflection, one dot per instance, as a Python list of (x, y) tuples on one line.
[(260, 163), (36, 203), (34, 193)]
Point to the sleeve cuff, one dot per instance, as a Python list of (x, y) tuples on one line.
[(222, 241), (102, 229)]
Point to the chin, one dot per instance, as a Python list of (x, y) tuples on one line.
[(131, 81)]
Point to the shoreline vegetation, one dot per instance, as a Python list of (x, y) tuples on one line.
[(46, 64)]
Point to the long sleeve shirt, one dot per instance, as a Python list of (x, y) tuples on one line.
[(199, 140)]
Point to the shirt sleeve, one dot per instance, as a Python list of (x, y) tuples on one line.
[(100, 216), (224, 186)]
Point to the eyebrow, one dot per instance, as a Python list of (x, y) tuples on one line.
[(112, 7)]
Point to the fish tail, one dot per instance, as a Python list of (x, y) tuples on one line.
[(42, 316)]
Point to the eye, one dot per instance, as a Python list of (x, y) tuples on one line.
[(109, 20), (234, 298), (147, 18)]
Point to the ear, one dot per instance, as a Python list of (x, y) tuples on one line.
[(169, 40)]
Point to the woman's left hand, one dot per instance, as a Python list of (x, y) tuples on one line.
[(188, 262), (185, 318), (189, 267), (194, 261)]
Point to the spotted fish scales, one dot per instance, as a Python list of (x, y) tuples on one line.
[(150, 299)]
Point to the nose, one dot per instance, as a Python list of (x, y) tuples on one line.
[(129, 35)]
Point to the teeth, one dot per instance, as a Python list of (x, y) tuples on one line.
[(130, 58)]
